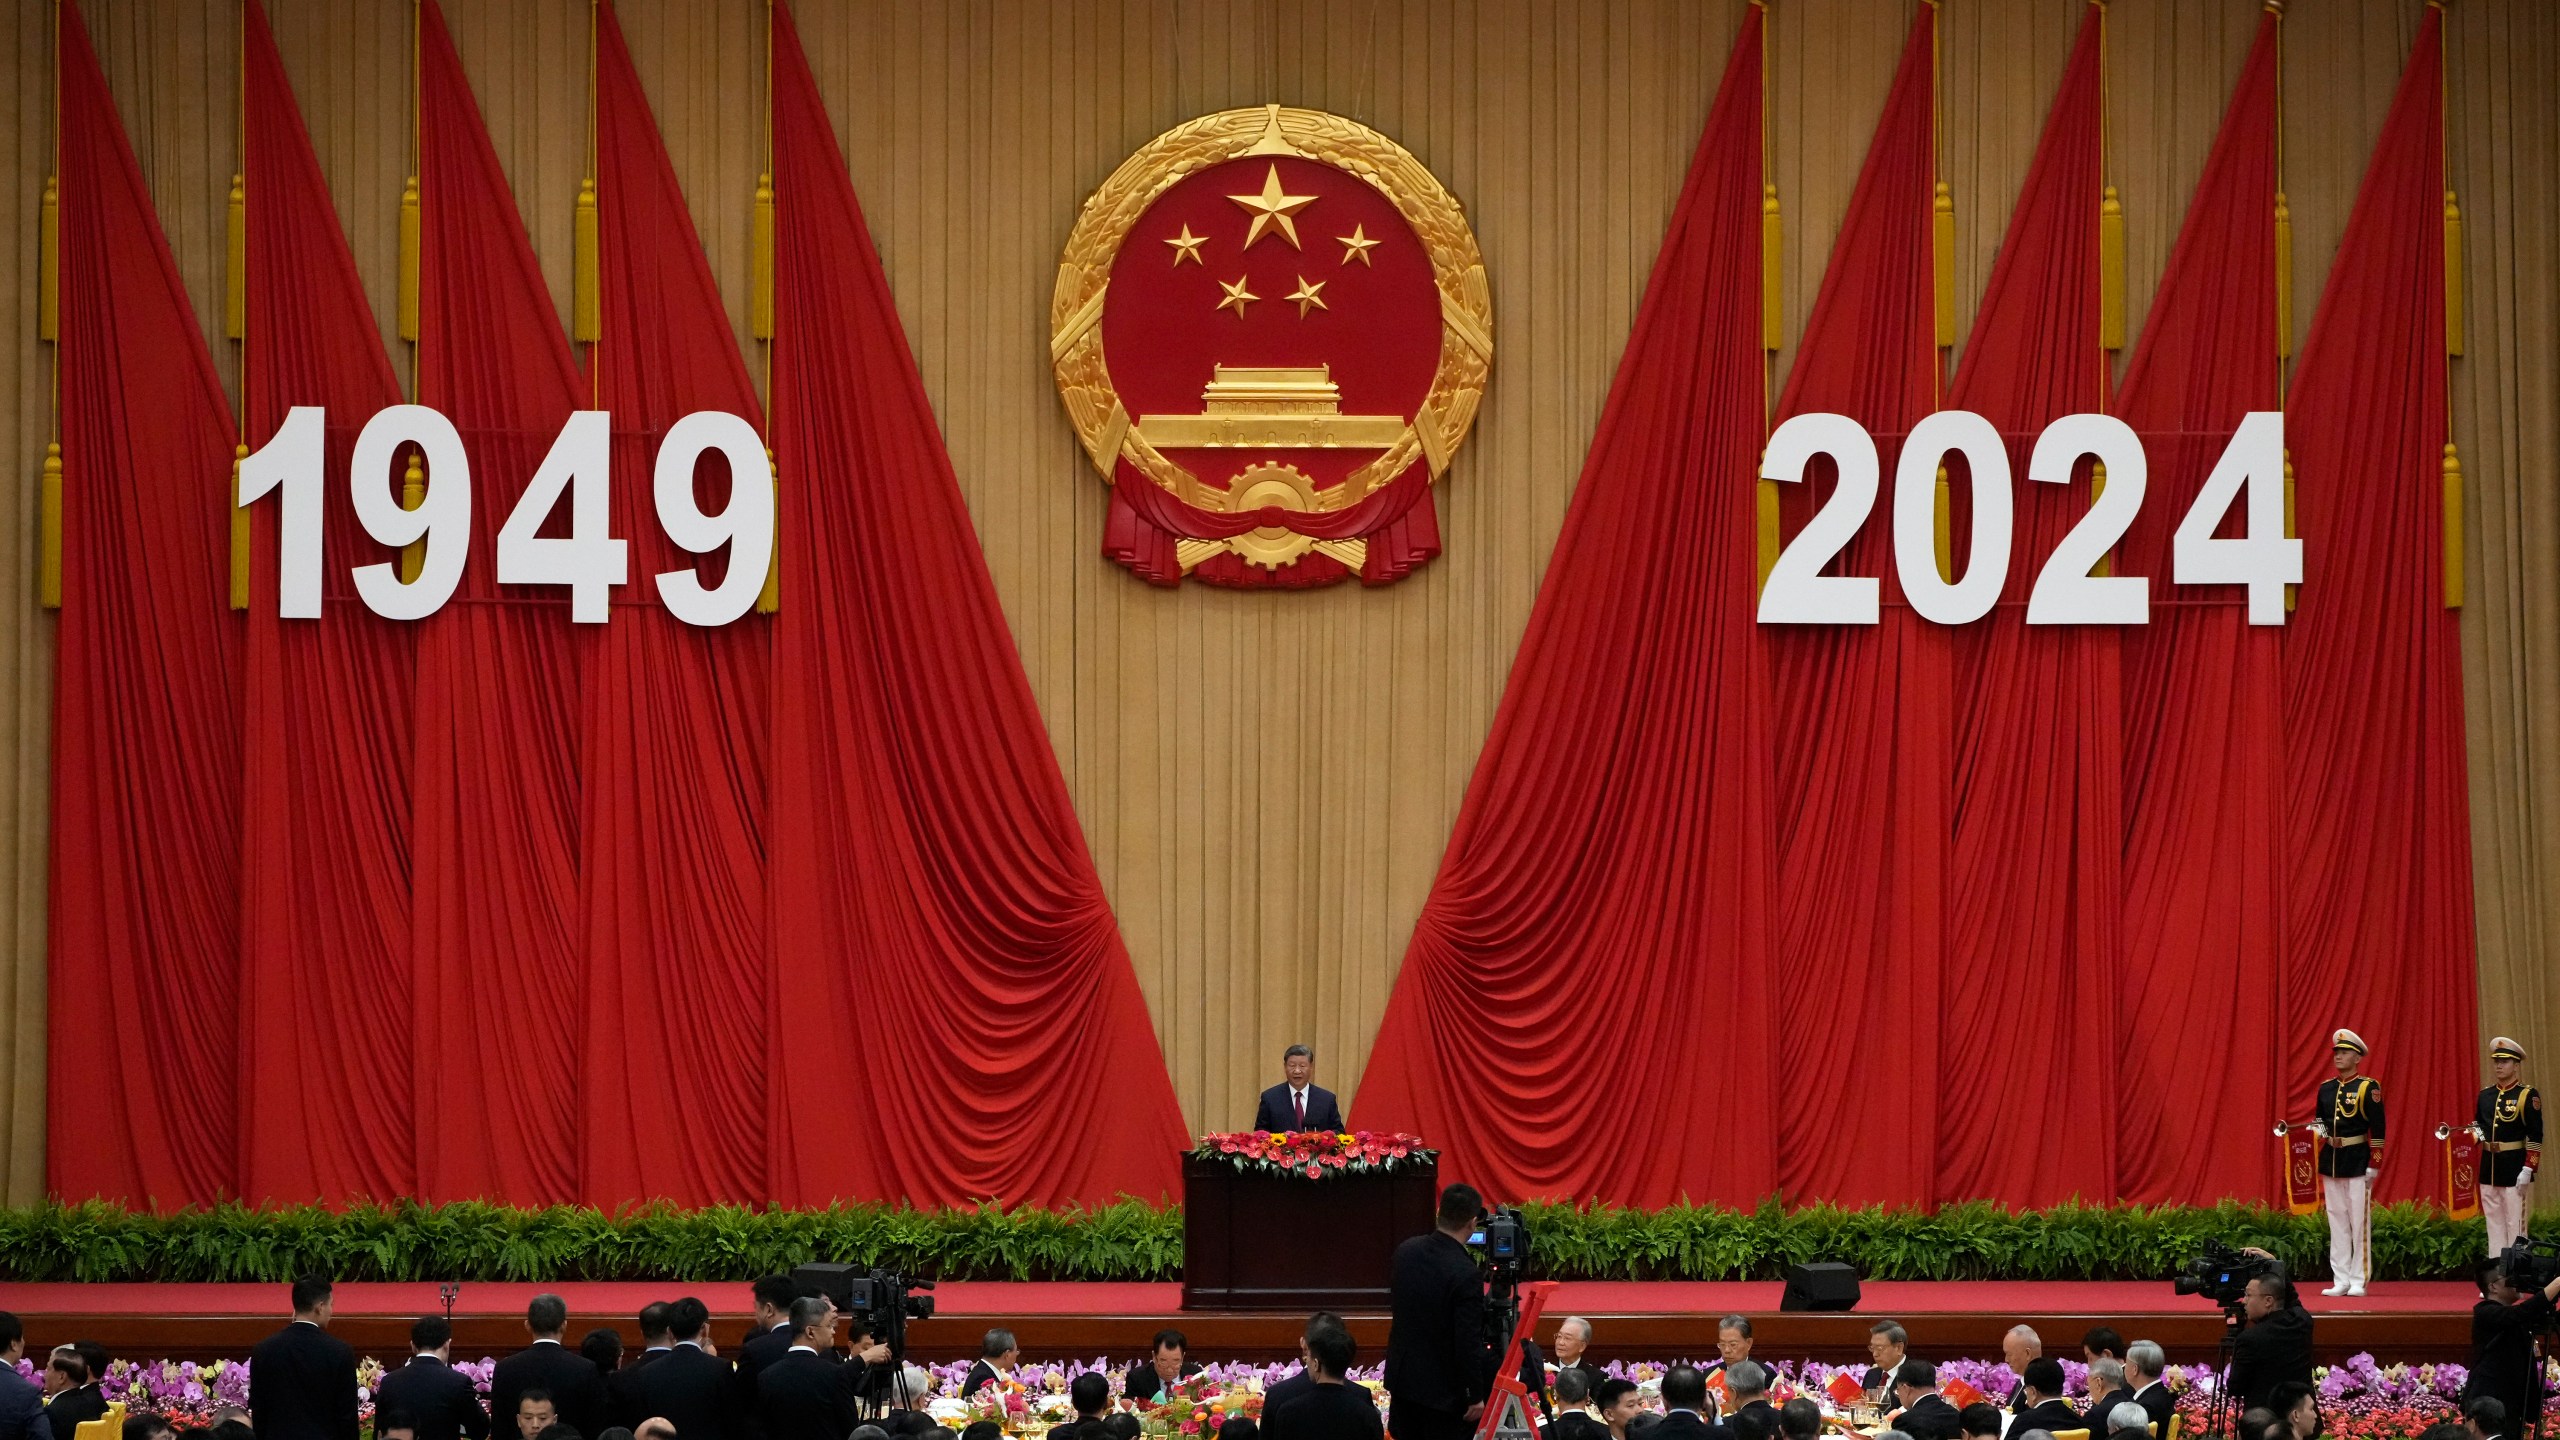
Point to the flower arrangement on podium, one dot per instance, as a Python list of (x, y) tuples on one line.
[(1316, 1154)]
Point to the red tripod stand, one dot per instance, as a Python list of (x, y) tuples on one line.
[(1506, 1412)]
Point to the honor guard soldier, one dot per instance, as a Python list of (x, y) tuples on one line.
[(2508, 1121), (2349, 1123)]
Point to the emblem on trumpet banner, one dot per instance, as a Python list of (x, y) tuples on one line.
[(1271, 329)]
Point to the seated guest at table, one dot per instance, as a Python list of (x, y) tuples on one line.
[(1886, 1346), (2018, 1347), (1685, 1415), (71, 1397), (2107, 1389), (1746, 1384), (1234, 1427), (1123, 1426), (1332, 1408), (1618, 1402), (997, 1355), (534, 1413), (1982, 1420), (2260, 1423), (1170, 1364), (2040, 1384), (2144, 1363), (440, 1401), (157, 1427), (2485, 1416), (1574, 1417), (1733, 1341), (1298, 1103), (2101, 1343), (1925, 1414), (1090, 1394), (1572, 1351), (2298, 1406), (2127, 1421), (1800, 1419), (1280, 1391)]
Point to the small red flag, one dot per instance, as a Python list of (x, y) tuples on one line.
[(1845, 1388), (1959, 1394)]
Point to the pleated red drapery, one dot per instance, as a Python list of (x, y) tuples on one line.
[(324, 923), (1859, 737), (2203, 752), (952, 1003), (2033, 944), (2378, 928), (501, 1014), (144, 907), (1612, 858), (676, 736)]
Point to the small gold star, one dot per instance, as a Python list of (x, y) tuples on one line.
[(1186, 246), (1237, 295), (1307, 295), (1272, 208), (1355, 246)]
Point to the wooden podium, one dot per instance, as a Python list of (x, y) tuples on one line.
[(1262, 1242)]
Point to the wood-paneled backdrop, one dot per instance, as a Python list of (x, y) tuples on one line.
[(1268, 780)]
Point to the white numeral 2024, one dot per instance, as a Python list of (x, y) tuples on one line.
[(2265, 561), (589, 561)]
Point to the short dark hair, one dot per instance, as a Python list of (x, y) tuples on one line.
[(2481, 1274), (998, 1341), (1239, 1427), (11, 1330), (1320, 1318), (603, 1348), (1684, 1387), (143, 1427), (384, 1422), (1122, 1424), (95, 1355), (776, 1291), (430, 1332), (653, 1319), (308, 1292), (1090, 1393), (2103, 1340), (1171, 1339), (1333, 1349), (1982, 1418), (1294, 1051), (2486, 1411), (1801, 1419), (2443, 1430), (2044, 1373), (1917, 1373), (1611, 1391), (73, 1368), (686, 1317), (2288, 1394), (558, 1430), (533, 1395), (1460, 1204), (1573, 1384), (547, 1315)]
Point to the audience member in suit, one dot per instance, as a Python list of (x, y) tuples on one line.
[(21, 1401), (804, 1394), (569, 1378), (1169, 1364), (1801, 1419), (997, 1355), (2019, 1346), (769, 1336), (1746, 1382), (692, 1389), (2041, 1385), (1685, 1412), (2101, 1343), (1572, 1349), (1617, 1402), (1887, 1346), (1332, 1408), (620, 1407), (1280, 1392), (2107, 1389), (1733, 1342), (1091, 1395), (1574, 1417), (1440, 1356), (603, 1349), (439, 1401), (2128, 1420), (2144, 1363), (72, 1397), (1982, 1420), (157, 1427), (1925, 1413), (1298, 1103), (302, 1379), (536, 1415)]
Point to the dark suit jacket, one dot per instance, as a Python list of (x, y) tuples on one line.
[(621, 1400), (754, 1353), (1282, 1391), (1325, 1412), (1145, 1386), (2051, 1416), (21, 1408), (2155, 1398), (1574, 1425), (302, 1386), (1931, 1418), (73, 1407), (696, 1392), (571, 1380), (804, 1396), (2269, 1353), (980, 1374), (442, 1400), (2095, 1416), (2502, 1356), (1590, 1372), (1277, 1113), (1439, 1358), (1687, 1425)]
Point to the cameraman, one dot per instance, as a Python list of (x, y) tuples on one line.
[(2503, 1326), (2273, 1343), (1439, 1359)]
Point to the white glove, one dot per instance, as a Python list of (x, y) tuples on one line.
[(2320, 1130), (2373, 1165), (2525, 1176)]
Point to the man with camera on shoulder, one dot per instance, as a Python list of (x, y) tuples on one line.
[(2503, 1327), (1440, 1356), (2273, 1342)]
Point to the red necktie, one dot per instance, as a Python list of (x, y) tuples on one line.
[(1302, 1108)]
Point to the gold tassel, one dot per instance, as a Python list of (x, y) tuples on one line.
[(1944, 528), (1767, 505), (760, 263), (2452, 275), (585, 321), (409, 260), (769, 599), (49, 263), (2097, 492), (2111, 271), (2284, 278), (49, 530), (235, 267), (1772, 250), (2290, 533), (413, 493), (1942, 245), (239, 535), (2452, 468)]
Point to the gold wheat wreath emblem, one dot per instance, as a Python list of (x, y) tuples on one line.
[(1434, 425)]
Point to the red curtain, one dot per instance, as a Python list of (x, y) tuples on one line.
[(1611, 858), (952, 1003), (2034, 949), (502, 1016), (324, 905), (674, 1097), (1859, 739), (2377, 817), (144, 909), (2203, 765)]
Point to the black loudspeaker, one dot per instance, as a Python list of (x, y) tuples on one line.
[(1823, 1286), (836, 1282)]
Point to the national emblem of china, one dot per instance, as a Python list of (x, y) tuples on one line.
[(1271, 330)]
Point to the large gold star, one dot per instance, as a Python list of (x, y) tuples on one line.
[(1186, 246), (1237, 295), (1307, 295), (1355, 246), (1272, 208)]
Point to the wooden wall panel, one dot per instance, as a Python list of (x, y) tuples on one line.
[(1268, 781)]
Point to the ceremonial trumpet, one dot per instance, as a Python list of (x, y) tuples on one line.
[(2446, 1132), (2284, 1125)]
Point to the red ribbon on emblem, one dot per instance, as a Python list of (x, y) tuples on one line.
[(2461, 1171)]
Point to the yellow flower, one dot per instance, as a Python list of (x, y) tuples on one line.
[(1350, 1139)]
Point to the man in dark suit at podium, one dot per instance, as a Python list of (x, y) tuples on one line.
[(1298, 1103)]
